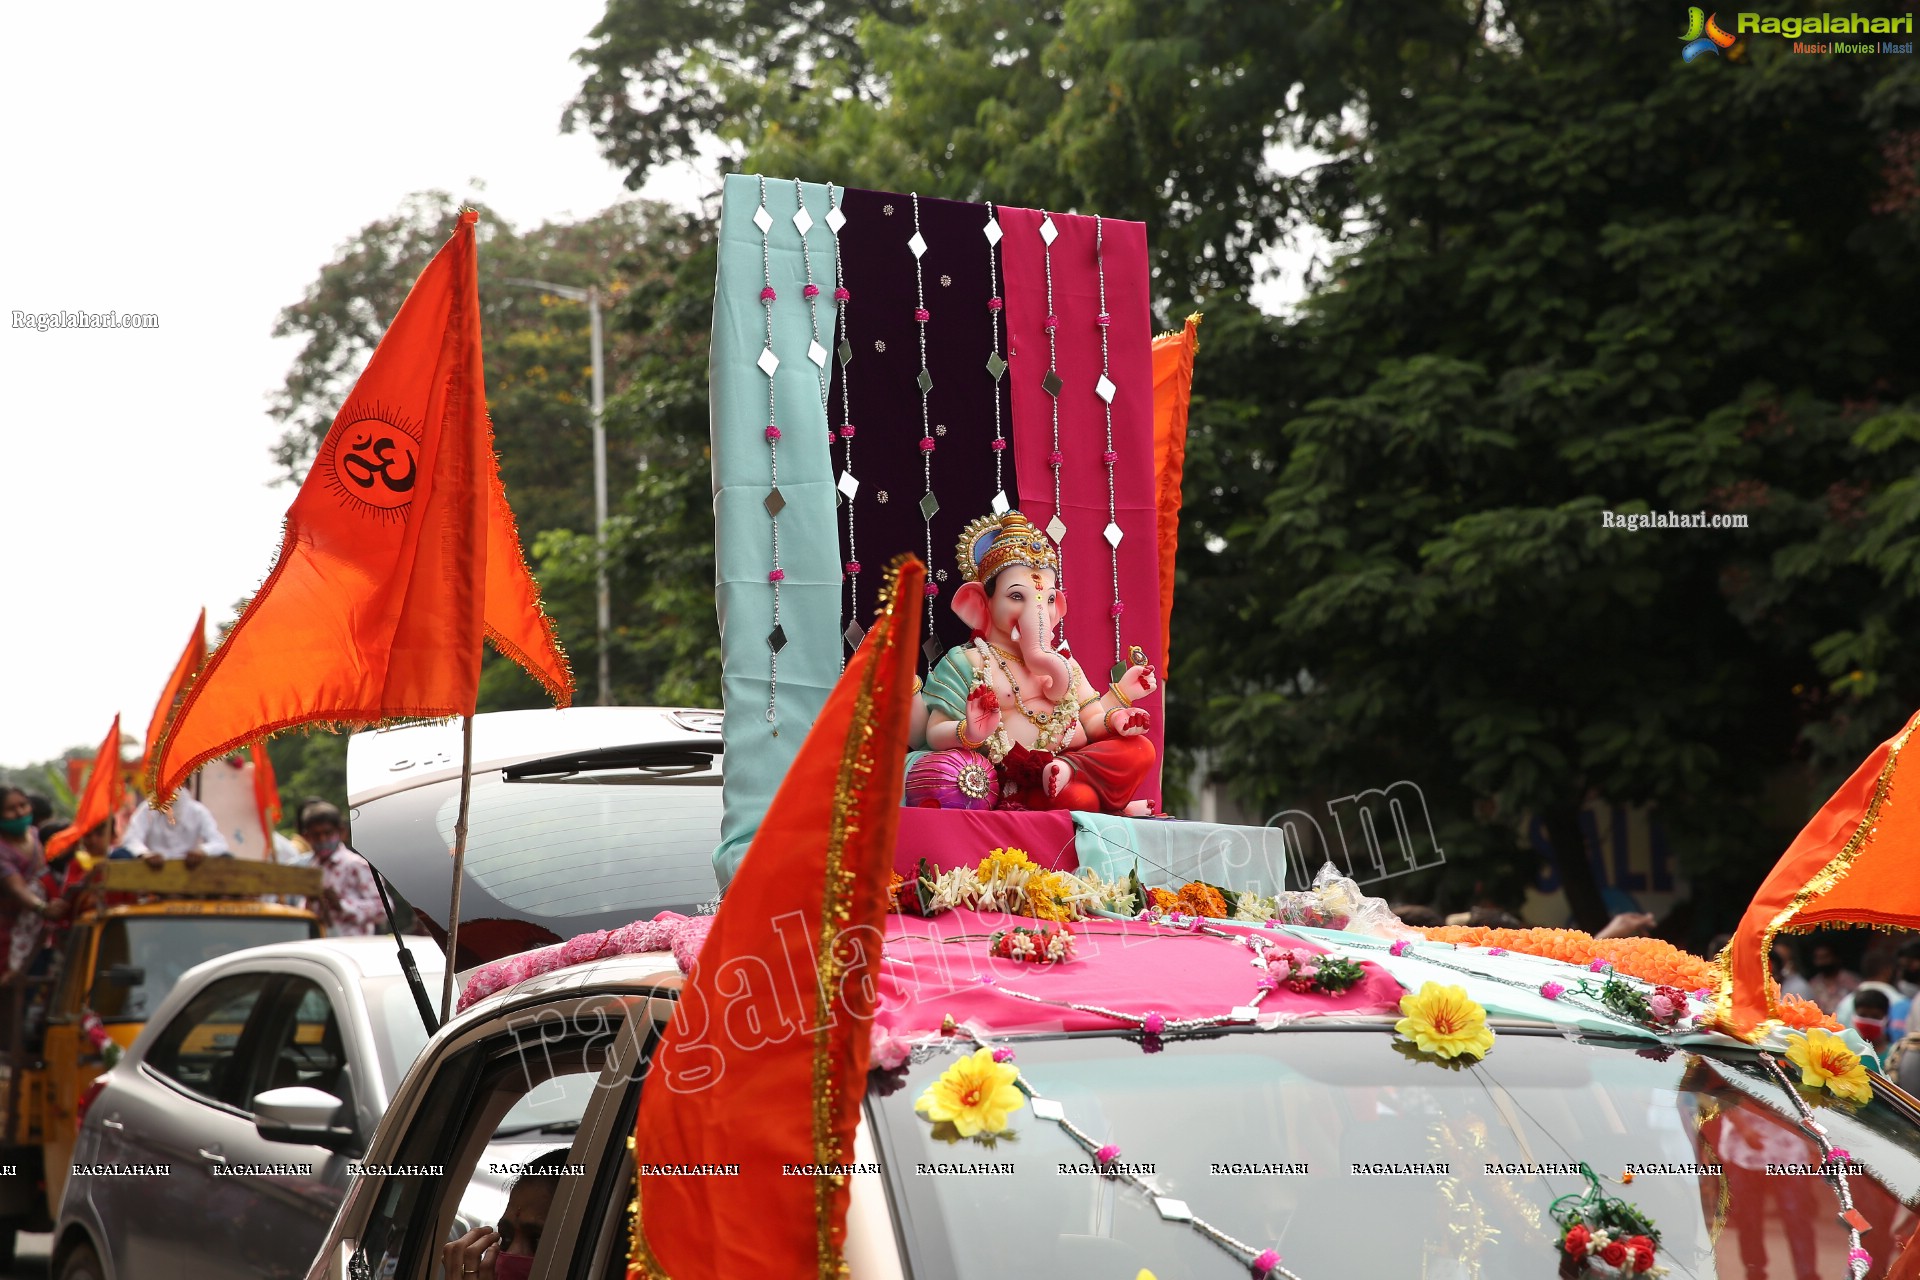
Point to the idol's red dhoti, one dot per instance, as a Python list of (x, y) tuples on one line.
[(1106, 775)]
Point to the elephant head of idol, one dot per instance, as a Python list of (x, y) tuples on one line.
[(1011, 596)]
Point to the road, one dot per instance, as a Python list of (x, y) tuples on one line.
[(30, 1257)]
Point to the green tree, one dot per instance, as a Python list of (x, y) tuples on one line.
[(1568, 275), (649, 260)]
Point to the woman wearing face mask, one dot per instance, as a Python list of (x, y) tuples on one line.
[(349, 900), (22, 908), (507, 1253)]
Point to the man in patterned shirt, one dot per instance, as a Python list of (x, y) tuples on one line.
[(349, 901)]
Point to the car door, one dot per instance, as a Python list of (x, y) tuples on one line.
[(289, 1192), (172, 1217)]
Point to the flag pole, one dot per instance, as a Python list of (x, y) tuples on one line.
[(459, 866)]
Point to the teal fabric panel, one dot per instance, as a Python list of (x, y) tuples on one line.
[(1169, 853), (758, 752)]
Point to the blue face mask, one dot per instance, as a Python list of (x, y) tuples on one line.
[(326, 846)]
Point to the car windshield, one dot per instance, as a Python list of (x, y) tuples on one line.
[(141, 957), (549, 1109), (1351, 1159)]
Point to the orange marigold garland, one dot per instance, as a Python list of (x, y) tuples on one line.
[(1648, 959)]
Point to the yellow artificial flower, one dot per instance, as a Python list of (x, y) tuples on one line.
[(1825, 1062), (976, 1094), (1444, 1021)]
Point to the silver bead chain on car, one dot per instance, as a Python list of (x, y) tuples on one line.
[(803, 223), (1105, 389), (929, 505), (996, 363), (774, 501), (1169, 1208), (1833, 1170), (846, 484)]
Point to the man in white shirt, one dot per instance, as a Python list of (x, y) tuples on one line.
[(188, 832)]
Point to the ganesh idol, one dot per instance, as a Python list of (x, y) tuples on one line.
[(1013, 723)]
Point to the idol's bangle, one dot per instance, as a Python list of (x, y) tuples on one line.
[(960, 736), (1109, 719), (1088, 703), (1117, 692)]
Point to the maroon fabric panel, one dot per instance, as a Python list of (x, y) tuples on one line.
[(879, 394), (1089, 570)]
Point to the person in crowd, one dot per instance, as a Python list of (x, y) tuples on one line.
[(349, 900), (506, 1252), (1870, 1005), (1831, 982), (1628, 924), (1418, 915), (1786, 970), (187, 831), (22, 908), (66, 876)]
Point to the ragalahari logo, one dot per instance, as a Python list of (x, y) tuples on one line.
[(1703, 35)]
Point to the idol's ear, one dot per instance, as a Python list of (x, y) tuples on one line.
[(970, 606), (1059, 606)]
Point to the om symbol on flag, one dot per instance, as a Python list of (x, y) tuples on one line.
[(372, 464)]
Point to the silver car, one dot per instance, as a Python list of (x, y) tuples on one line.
[(220, 1145)]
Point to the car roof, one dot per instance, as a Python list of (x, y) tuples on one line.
[(382, 761), (372, 956), (638, 971)]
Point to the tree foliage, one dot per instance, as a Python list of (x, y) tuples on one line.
[(1569, 275)]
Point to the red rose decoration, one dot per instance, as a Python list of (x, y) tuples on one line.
[(1642, 1250), (1614, 1254), (1577, 1239)]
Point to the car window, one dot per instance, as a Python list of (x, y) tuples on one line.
[(303, 1045), (142, 957), (199, 1049), (450, 1171)]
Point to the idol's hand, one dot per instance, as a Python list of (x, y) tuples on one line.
[(1138, 682), (1131, 722), (983, 713)]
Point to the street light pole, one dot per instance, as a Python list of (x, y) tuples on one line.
[(603, 603)]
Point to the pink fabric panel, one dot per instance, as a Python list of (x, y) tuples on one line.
[(1121, 965), (950, 838), (1083, 432)]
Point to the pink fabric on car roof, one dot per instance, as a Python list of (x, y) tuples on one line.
[(932, 970)]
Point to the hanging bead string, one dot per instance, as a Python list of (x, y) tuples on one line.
[(847, 484), (1056, 527), (774, 502), (1834, 1170), (996, 363), (1105, 390), (1264, 1264), (803, 223), (929, 505)]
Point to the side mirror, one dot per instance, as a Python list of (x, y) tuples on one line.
[(302, 1115), (124, 975)]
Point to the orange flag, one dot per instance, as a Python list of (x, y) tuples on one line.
[(266, 793), (765, 1062), (101, 798), (190, 660), (1173, 355), (400, 553), (1852, 864)]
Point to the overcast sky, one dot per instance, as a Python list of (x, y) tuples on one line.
[(202, 163)]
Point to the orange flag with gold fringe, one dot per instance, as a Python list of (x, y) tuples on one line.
[(1852, 864), (765, 1062), (100, 799), (1173, 355), (400, 553), (190, 661)]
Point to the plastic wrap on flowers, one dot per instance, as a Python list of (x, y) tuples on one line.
[(1333, 902), (668, 931)]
